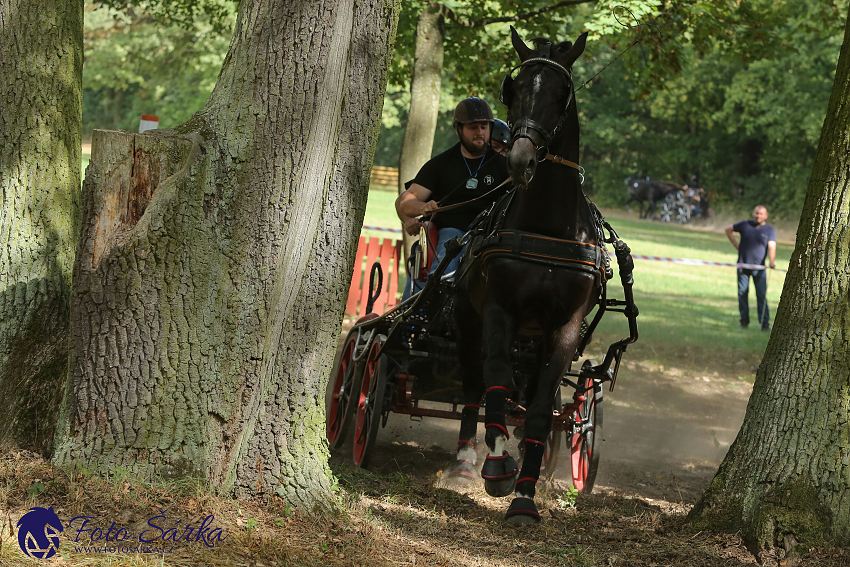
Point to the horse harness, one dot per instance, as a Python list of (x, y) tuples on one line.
[(492, 242)]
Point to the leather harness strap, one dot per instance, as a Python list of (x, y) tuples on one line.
[(550, 157), (562, 161), (540, 249)]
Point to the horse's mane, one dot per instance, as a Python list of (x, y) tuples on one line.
[(541, 42)]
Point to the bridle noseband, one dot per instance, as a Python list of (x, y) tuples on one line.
[(526, 127)]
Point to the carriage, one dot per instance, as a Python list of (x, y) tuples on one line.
[(681, 206), (405, 361), (504, 329)]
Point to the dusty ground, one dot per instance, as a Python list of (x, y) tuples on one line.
[(665, 431)]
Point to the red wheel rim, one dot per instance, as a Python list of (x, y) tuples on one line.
[(365, 405), (340, 399), (581, 444)]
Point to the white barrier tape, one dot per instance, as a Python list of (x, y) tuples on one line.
[(381, 229), (694, 262)]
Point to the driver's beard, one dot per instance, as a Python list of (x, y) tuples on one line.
[(471, 148)]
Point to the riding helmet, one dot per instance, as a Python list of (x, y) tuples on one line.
[(472, 109), (501, 132)]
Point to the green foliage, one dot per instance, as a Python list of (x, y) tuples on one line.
[(734, 92), (747, 121), (136, 65), (35, 489), (184, 13), (568, 498), (477, 54)]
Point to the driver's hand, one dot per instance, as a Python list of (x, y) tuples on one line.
[(428, 208), (411, 226), (772, 266)]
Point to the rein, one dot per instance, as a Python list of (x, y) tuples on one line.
[(550, 157), (456, 205)]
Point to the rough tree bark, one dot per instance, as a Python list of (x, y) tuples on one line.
[(424, 97), (212, 268), (41, 65), (786, 479)]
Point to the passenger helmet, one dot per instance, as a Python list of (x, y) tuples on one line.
[(472, 109), (501, 132)]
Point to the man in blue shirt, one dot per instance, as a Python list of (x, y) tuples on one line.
[(758, 242)]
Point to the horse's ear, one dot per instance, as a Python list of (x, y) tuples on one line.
[(521, 48), (575, 51)]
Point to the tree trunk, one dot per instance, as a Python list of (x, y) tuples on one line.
[(41, 65), (424, 97), (786, 479), (215, 259)]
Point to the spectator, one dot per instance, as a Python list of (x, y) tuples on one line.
[(758, 241)]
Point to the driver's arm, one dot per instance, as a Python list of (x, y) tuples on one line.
[(414, 202), (771, 253)]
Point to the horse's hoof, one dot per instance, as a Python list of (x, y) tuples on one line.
[(500, 488), (461, 473), (523, 511), (499, 474)]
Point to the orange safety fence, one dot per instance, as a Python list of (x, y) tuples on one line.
[(370, 250)]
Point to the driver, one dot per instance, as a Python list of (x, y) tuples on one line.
[(469, 169)]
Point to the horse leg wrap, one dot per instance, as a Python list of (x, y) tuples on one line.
[(469, 422), (526, 484), (495, 416)]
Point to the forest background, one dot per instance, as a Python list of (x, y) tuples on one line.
[(743, 109)]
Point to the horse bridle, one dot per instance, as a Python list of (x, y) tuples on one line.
[(524, 127)]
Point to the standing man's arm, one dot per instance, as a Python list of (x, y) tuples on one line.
[(730, 232), (771, 253)]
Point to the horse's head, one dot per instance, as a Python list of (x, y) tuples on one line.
[(540, 101)]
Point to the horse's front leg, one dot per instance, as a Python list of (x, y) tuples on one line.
[(500, 469), (465, 468), (538, 424)]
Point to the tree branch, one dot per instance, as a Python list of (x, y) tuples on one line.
[(515, 18)]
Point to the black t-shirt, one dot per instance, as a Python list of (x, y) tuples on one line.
[(446, 174), (754, 239)]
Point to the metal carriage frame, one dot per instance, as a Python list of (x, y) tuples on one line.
[(393, 362)]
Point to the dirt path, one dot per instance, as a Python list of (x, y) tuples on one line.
[(665, 431)]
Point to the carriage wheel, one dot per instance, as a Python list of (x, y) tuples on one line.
[(370, 404), (346, 382), (587, 435), (553, 446)]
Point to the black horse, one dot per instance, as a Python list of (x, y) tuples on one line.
[(539, 270), (650, 191)]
